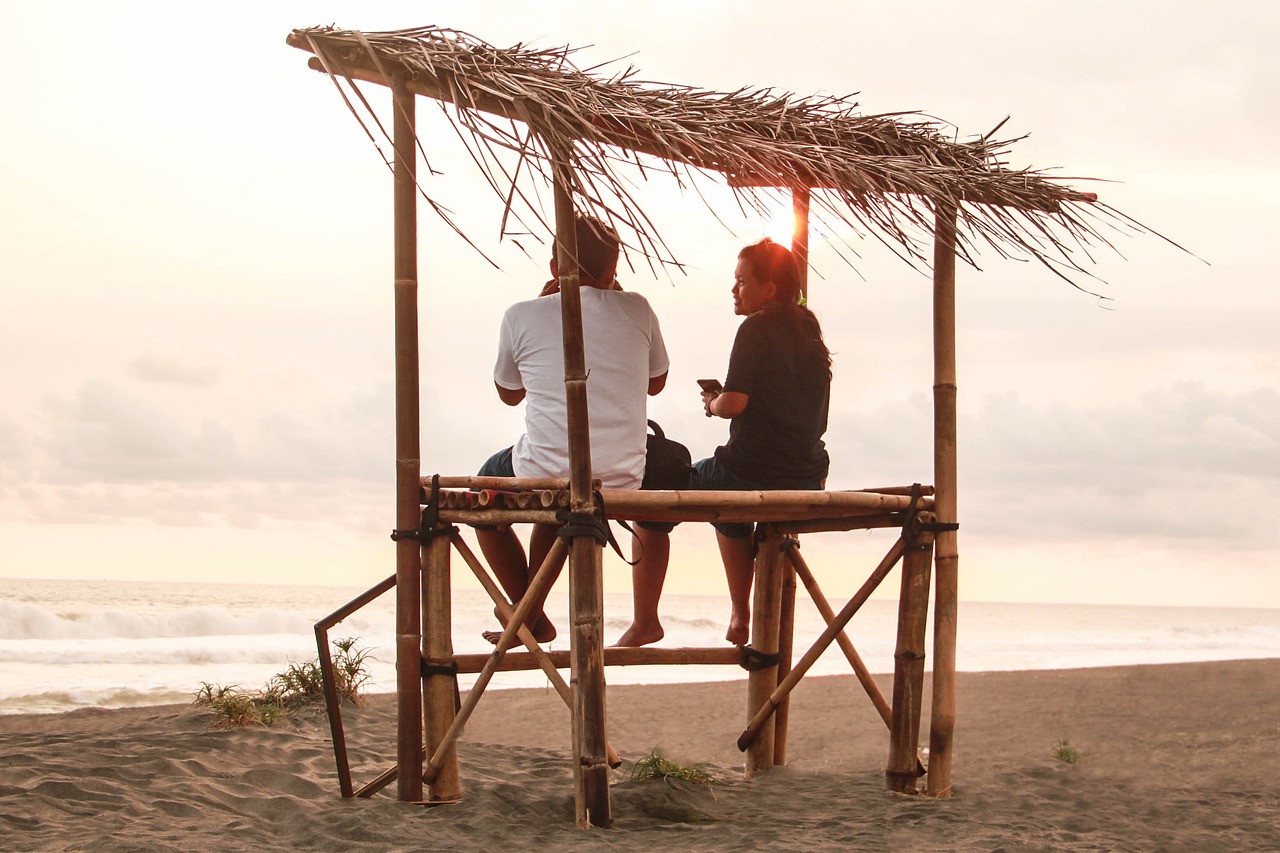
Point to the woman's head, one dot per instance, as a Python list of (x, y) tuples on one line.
[(766, 272)]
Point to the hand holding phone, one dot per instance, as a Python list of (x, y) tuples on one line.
[(711, 388)]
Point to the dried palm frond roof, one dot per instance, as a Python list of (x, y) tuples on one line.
[(885, 174)]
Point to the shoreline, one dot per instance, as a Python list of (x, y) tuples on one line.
[(1173, 757)]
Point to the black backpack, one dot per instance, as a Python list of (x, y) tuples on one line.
[(667, 463)]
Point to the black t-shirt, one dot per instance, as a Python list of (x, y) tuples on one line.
[(780, 364)]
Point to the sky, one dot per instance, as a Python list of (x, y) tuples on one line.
[(196, 291)]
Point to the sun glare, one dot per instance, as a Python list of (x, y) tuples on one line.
[(779, 223)]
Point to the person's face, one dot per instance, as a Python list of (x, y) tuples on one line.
[(749, 292)]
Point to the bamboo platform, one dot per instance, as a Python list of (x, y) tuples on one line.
[(771, 674)]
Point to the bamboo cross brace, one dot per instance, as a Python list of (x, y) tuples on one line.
[(506, 611), (822, 643), (541, 581), (842, 639), (846, 645)]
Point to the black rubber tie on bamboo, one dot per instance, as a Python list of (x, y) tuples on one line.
[(439, 667), (752, 660), (595, 524), (450, 669), (430, 518)]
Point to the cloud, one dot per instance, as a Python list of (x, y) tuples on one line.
[(1184, 462), (152, 368)]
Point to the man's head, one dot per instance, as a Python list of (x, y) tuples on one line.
[(597, 252)]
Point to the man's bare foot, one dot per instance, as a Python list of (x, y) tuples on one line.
[(739, 633), (542, 629), (640, 635)]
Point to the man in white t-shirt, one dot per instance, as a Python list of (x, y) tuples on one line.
[(626, 360)]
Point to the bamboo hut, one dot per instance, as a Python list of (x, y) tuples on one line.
[(894, 177)]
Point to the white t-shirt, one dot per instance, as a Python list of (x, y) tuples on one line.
[(623, 348)]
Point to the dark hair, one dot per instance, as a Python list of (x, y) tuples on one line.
[(597, 247), (770, 261), (773, 262)]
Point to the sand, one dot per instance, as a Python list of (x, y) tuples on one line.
[(1180, 757)]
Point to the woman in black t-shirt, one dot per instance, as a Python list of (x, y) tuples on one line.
[(776, 396)]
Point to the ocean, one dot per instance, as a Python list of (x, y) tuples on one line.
[(77, 644)]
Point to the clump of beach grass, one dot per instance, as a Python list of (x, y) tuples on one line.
[(297, 686), (655, 765), (1065, 752)]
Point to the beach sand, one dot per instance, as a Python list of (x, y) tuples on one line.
[(1181, 757)]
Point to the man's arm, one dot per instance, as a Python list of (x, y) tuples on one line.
[(510, 396), (657, 383)]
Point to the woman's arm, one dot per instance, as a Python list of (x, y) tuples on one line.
[(728, 404)]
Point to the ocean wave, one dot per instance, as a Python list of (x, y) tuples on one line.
[(23, 621), (59, 701)]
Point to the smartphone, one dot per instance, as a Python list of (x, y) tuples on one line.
[(710, 385)]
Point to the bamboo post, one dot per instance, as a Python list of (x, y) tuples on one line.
[(787, 623), (765, 618), (408, 456), (586, 562), (786, 643), (908, 666), (800, 237), (439, 690), (942, 717)]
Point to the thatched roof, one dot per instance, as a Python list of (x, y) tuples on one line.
[(880, 174)]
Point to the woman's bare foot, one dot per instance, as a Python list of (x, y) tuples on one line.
[(540, 626), (640, 635), (739, 633)]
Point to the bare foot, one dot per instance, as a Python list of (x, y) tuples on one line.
[(640, 635), (739, 633), (542, 629)]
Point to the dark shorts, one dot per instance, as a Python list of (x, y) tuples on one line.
[(497, 465)]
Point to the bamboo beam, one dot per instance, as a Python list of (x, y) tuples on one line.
[(765, 617), (439, 690), (509, 483), (942, 717), (408, 455), (835, 525), (633, 500), (613, 656), (756, 731), (908, 667)]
